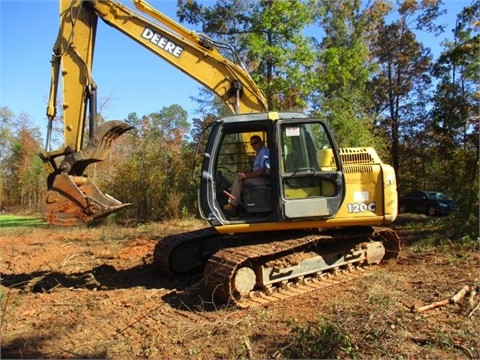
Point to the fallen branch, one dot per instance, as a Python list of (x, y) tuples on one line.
[(453, 300), (475, 309), (249, 348), (471, 297), (460, 295), (431, 306)]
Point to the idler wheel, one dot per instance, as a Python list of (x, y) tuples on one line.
[(244, 281)]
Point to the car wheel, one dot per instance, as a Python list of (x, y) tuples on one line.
[(431, 211)]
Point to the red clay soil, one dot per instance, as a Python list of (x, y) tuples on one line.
[(81, 294)]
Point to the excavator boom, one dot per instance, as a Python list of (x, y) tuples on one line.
[(72, 197)]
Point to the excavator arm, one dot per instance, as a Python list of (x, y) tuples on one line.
[(195, 55), (72, 198)]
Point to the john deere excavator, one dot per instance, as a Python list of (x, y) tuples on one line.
[(317, 219)]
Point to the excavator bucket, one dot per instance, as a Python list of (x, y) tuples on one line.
[(73, 198), (76, 200)]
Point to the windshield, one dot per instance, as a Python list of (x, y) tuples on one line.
[(438, 196)]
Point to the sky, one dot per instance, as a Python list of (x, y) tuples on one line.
[(131, 77)]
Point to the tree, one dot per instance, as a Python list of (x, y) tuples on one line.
[(23, 174), (455, 112), (454, 117), (270, 36), (6, 134), (154, 175), (402, 81), (344, 68), (6, 139), (283, 54)]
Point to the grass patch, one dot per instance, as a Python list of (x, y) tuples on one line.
[(424, 233), (19, 221), (321, 340)]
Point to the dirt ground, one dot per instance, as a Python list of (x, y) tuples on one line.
[(93, 293)]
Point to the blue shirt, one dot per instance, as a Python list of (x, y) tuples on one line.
[(263, 154)]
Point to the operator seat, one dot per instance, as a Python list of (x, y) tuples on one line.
[(257, 198)]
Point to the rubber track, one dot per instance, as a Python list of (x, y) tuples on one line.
[(221, 268)]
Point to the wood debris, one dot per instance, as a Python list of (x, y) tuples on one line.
[(475, 309), (472, 291)]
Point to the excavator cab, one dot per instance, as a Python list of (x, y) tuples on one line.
[(303, 177)]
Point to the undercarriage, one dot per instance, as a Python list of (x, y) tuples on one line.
[(257, 268)]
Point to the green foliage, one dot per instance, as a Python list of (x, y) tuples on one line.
[(400, 86), (22, 175), (155, 172), (321, 340), (6, 133), (270, 37), (344, 68), (345, 61), (453, 121), (463, 223), (283, 55), (16, 221), (443, 150), (422, 232), (349, 130)]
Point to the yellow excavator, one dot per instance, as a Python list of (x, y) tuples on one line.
[(321, 211)]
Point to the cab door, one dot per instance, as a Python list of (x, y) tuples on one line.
[(311, 180), (227, 152)]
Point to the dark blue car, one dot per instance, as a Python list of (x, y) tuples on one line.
[(431, 203)]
